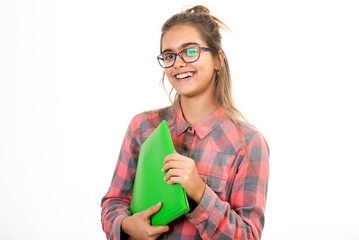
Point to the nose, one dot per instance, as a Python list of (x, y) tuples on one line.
[(179, 62)]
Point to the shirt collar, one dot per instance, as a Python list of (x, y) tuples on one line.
[(203, 128)]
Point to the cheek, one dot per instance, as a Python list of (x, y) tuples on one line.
[(169, 77), (167, 72), (206, 73)]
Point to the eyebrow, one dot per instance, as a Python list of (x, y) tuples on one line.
[(182, 46)]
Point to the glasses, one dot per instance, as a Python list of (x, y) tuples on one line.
[(188, 55)]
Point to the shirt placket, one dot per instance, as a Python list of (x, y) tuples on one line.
[(187, 142)]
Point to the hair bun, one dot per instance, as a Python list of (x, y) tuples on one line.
[(198, 9)]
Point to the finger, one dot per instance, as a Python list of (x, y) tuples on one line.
[(169, 157), (173, 156), (174, 180), (173, 173), (173, 165), (160, 229), (152, 210)]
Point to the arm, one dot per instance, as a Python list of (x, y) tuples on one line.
[(115, 204), (116, 220), (243, 216)]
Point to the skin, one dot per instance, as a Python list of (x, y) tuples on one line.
[(197, 103), (197, 98), (139, 225)]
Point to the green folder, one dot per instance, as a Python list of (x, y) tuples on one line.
[(149, 187)]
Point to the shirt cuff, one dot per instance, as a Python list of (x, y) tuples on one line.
[(119, 233), (204, 208)]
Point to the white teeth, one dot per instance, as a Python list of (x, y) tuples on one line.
[(184, 75)]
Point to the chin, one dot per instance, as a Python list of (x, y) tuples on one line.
[(187, 94)]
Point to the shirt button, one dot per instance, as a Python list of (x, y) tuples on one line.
[(190, 128)]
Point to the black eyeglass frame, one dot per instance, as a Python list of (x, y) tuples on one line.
[(160, 57)]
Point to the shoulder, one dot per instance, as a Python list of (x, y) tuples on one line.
[(147, 121), (253, 137), (247, 130), (242, 134)]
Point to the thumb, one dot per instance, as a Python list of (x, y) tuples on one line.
[(152, 210)]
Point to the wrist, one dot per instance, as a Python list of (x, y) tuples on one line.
[(125, 224), (200, 193)]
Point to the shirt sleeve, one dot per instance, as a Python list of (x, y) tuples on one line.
[(115, 204), (243, 216)]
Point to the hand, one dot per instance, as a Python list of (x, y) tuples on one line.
[(139, 225), (183, 170)]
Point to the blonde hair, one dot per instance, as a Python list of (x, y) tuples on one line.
[(208, 26)]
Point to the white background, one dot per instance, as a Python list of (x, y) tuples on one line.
[(73, 74)]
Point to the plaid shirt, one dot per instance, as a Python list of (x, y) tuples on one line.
[(234, 168)]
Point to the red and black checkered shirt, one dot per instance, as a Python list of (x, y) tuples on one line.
[(232, 163)]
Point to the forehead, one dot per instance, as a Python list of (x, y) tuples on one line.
[(179, 35)]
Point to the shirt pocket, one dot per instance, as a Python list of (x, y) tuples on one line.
[(215, 169)]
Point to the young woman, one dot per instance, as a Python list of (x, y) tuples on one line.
[(221, 161)]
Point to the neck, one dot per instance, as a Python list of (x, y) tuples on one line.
[(197, 109)]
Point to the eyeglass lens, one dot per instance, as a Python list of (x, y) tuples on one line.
[(187, 55)]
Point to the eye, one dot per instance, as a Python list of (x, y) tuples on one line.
[(168, 57)]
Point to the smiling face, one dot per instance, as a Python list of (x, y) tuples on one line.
[(189, 79)]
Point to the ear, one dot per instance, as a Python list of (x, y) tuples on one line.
[(220, 60)]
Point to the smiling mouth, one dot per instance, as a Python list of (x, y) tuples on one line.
[(184, 75)]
